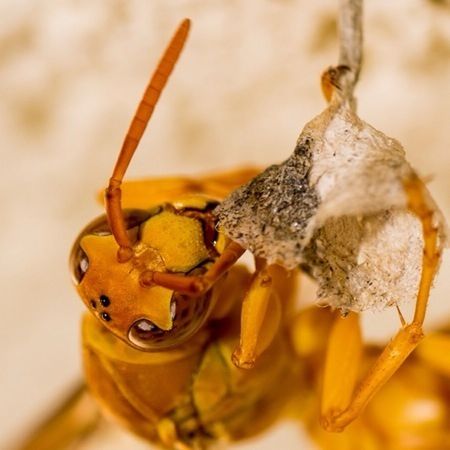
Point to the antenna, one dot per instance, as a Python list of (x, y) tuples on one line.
[(137, 127)]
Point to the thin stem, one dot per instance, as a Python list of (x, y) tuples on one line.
[(350, 47)]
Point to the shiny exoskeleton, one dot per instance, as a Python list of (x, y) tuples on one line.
[(176, 238)]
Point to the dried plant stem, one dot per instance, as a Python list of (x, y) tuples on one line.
[(350, 48)]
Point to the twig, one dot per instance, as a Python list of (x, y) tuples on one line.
[(350, 47), (350, 30)]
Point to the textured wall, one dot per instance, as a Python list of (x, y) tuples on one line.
[(71, 73)]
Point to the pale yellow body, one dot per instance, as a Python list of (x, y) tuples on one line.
[(205, 393), (194, 386)]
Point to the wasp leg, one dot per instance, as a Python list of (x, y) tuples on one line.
[(410, 335), (260, 318), (168, 435), (73, 421), (196, 285), (147, 193), (342, 362)]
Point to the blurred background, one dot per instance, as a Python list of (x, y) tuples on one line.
[(71, 75)]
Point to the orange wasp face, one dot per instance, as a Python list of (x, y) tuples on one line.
[(166, 239)]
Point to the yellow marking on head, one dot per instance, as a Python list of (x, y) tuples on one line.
[(178, 239)]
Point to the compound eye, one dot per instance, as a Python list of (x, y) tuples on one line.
[(188, 315), (143, 334), (79, 264)]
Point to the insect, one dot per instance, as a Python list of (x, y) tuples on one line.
[(165, 248), (348, 208), (158, 278), (156, 358)]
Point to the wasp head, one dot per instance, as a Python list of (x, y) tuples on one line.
[(164, 240)]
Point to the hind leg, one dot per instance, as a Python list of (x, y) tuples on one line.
[(76, 418), (335, 414)]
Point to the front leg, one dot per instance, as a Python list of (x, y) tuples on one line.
[(168, 436), (196, 285), (260, 319), (267, 302)]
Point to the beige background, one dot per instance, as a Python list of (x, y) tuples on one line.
[(71, 73)]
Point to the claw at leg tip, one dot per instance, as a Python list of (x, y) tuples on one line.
[(240, 362), (328, 423)]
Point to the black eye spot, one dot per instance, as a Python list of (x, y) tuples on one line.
[(94, 304), (104, 300), (105, 316)]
